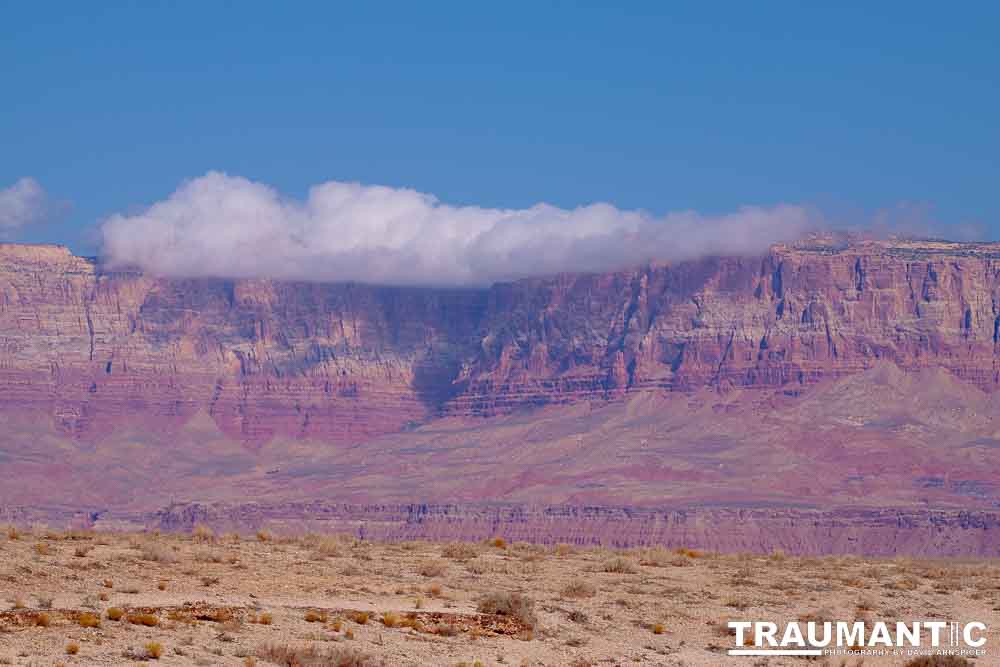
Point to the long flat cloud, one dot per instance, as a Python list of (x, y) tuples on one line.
[(225, 226), (23, 203)]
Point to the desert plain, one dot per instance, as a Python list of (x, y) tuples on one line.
[(103, 598)]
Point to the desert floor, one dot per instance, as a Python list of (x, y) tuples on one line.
[(83, 598)]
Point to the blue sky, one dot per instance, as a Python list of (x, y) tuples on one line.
[(854, 108)]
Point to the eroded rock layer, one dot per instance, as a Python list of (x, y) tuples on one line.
[(348, 362)]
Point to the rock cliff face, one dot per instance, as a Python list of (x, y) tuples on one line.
[(800, 314), (348, 362), (338, 361)]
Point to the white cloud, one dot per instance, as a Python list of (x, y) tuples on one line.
[(225, 226), (22, 204)]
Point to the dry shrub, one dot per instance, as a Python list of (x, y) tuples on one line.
[(107, 583), (43, 620), (459, 551), (327, 547), (12, 532), (514, 605), (578, 589), (153, 650), (563, 549), (619, 566), (498, 542), (115, 613), (42, 549), (202, 533), (390, 619), (265, 619), (312, 656), (88, 620), (433, 568), (263, 536), (658, 628), (72, 648), (83, 550), (149, 620), (315, 616), (359, 617), (157, 553)]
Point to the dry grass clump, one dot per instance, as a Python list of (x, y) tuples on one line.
[(157, 553), (72, 648), (328, 547), (312, 656), (43, 620), (514, 605), (498, 542), (149, 620), (578, 589), (115, 613), (359, 617), (42, 549), (390, 619), (433, 568), (459, 551), (658, 628), (12, 532), (316, 616), (202, 533), (263, 536), (619, 566), (154, 650), (89, 620)]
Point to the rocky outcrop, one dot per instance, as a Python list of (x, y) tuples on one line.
[(347, 362)]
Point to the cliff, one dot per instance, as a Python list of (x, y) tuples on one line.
[(349, 362)]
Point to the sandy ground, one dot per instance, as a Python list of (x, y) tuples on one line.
[(257, 600)]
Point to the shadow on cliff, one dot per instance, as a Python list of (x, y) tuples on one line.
[(435, 385)]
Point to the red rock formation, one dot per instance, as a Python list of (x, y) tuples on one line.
[(336, 361), (349, 361), (801, 313)]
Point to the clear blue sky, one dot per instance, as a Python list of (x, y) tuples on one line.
[(660, 105)]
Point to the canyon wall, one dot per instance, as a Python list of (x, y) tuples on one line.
[(347, 362)]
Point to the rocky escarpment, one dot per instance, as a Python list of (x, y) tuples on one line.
[(804, 312), (313, 360), (347, 362)]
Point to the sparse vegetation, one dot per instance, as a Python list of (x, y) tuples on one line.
[(149, 620), (89, 620), (459, 551), (572, 601), (154, 650), (578, 589), (514, 605), (433, 568), (619, 566)]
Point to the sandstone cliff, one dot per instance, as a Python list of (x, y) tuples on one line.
[(347, 362)]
